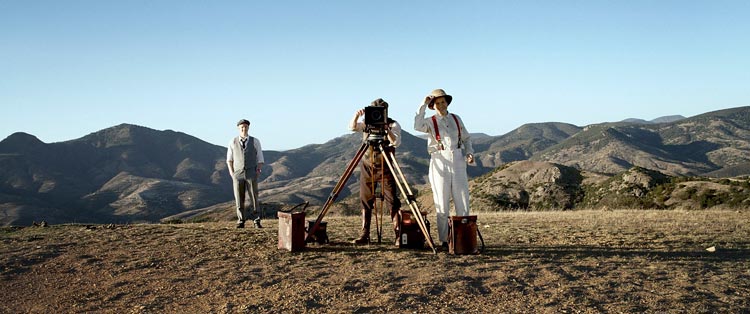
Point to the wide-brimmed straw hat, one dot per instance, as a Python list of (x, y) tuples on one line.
[(437, 94)]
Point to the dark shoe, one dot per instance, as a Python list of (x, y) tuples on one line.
[(240, 225), (256, 224), (362, 240), (444, 246)]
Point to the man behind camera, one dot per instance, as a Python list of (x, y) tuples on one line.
[(377, 129)]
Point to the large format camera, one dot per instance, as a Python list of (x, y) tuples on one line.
[(376, 121), (376, 117)]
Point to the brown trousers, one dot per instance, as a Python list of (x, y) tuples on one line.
[(374, 172)]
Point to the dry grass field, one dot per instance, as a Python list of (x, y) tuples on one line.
[(621, 261)]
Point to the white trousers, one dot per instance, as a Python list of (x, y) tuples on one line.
[(448, 181)]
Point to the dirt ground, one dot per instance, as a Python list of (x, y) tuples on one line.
[(542, 262)]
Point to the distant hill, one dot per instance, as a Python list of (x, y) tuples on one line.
[(668, 119), (665, 119), (694, 146), (521, 143), (126, 173), (130, 173)]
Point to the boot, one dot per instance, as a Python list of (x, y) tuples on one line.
[(364, 236)]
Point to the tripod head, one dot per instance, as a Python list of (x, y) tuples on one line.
[(377, 139)]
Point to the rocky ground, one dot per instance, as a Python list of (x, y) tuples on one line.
[(547, 262)]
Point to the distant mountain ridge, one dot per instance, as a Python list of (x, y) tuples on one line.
[(521, 143), (124, 173), (130, 173), (693, 146), (664, 119)]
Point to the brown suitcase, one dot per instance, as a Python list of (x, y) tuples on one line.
[(291, 231), (462, 235), (409, 234)]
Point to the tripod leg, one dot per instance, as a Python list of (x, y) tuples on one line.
[(382, 206), (339, 185), (416, 213), (401, 174), (378, 221), (376, 207)]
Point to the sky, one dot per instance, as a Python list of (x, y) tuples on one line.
[(298, 70)]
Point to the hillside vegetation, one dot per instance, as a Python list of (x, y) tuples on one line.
[(530, 185)]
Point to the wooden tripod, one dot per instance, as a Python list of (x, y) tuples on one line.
[(403, 187)]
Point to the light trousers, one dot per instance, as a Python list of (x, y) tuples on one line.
[(241, 188), (449, 181)]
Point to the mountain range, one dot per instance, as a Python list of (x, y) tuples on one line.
[(130, 173)]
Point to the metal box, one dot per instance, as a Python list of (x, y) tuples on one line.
[(409, 234), (291, 231), (462, 235)]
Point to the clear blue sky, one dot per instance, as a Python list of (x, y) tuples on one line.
[(299, 69)]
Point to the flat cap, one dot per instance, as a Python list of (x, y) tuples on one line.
[(379, 103)]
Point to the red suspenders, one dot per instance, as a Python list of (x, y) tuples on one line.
[(437, 131)]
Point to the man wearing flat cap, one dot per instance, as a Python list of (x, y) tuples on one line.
[(244, 160), (449, 146), (373, 171)]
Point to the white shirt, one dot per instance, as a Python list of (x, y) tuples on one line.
[(256, 143), (448, 132)]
